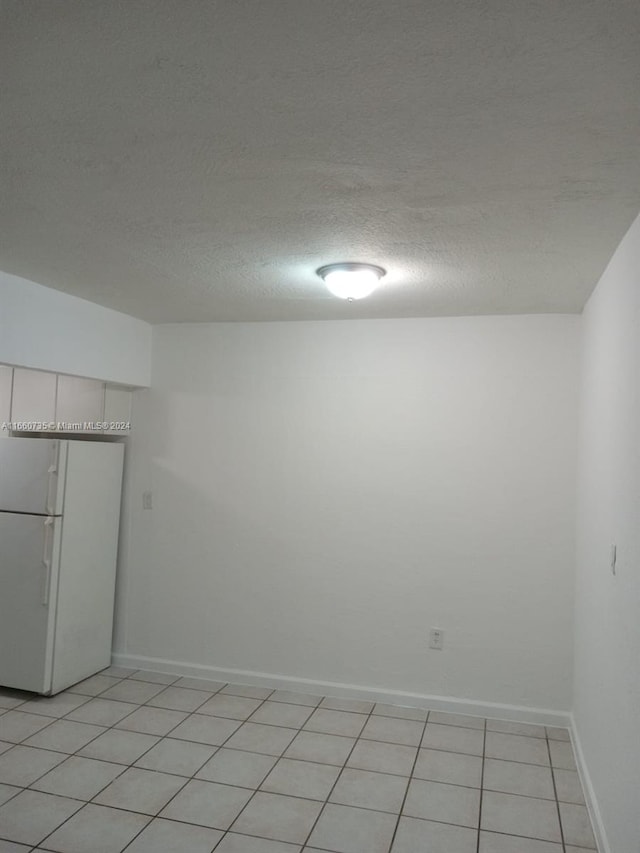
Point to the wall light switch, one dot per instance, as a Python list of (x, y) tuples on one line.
[(147, 500)]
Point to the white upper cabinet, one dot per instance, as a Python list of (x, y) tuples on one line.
[(117, 410), (6, 378), (33, 401), (44, 402), (80, 402)]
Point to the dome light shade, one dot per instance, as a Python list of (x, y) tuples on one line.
[(351, 281)]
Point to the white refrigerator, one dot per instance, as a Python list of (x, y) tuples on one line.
[(59, 518)]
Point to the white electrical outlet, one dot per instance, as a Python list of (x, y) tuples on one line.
[(436, 639)]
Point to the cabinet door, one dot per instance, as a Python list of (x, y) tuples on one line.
[(117, 410), (34, 398), (80, 402), (6, 378)]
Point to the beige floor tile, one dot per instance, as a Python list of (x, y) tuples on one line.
[(154, 677), (207, 804), (10, 847), (383, 710), (348, 830), (292, 697), (562, 755), (568, 786), (23, 765), (131, 690), (393, 730), (453, 739), (102, 712), (168, 836), (465, 721), (524, 816), (323, 749), (558, 733), (54, 706), (248, 690), (530, 780), (527, 750), (137, 790), (234, 843), (383, 757), (356, 706), (119, 747), (282, 714), (12, 698), (30, 816), (236, 767), (490, 842), (152, 721), (176, 756), (440, 802), (454, 768), (94, 686), (7, 792), (425, 836), (65, 736), (118, 671), (576, 826), (16, 726), (368, 790), (511, 728), (205, 684), (78, 778), (179, 699), (335, 722), (203, 729), (253, 737), (98, 829), (278, 818), (233, 707), (301, 779)]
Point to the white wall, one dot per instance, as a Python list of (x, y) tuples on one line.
[(49, 330), (326, 492), (607, 650)]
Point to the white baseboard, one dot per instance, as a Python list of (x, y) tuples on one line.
[(589, 793), (517, 713)]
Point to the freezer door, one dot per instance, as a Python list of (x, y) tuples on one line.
[(28, 577), (29, 475)]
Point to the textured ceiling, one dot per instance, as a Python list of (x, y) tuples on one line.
[(197, 160)]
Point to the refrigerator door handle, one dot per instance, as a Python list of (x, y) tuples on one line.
[(52, 471), (46, 560)]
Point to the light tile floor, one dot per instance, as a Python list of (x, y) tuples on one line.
[(152, 763)]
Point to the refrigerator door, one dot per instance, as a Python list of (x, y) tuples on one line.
[(88, 556), (28, 475), (28, 578)]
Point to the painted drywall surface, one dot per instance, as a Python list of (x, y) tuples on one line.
[(325, 492), (48, 330), (607, 649)]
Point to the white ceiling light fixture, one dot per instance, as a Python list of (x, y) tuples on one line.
[(351, 281)]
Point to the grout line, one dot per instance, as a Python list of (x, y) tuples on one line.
[(195, 712), (555, 791), (338, 777), (409, 781), (484, 754), (125, 767)]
